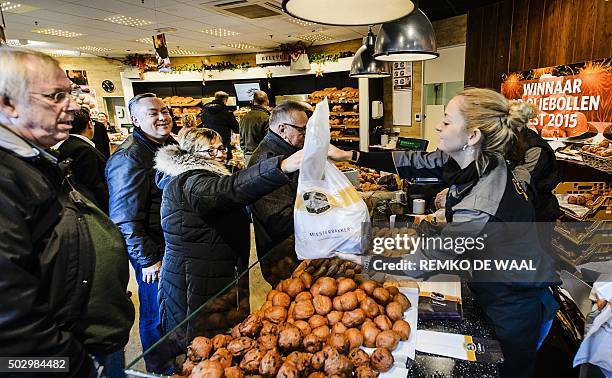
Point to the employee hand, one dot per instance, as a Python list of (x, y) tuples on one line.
[(150, 274), (337, 154), (292, 163), (440, 201), (349, 257)]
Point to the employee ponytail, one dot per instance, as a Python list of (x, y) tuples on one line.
[(498, 120)]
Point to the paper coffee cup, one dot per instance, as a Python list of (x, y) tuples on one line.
[(418, 206)]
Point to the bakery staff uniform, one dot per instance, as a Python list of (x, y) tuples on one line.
[(494, 205)]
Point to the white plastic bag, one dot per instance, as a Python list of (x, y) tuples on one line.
[(329, 212)]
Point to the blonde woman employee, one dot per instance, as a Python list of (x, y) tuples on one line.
[(484, 198)]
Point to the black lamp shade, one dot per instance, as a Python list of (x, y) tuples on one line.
[(408, 39), (364, 65)]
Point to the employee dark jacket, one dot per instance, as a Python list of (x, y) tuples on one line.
[(101, 139), (540, 161), (87, 167), (253, 128), (39, 265), (495, 205), (135, 199), (217, 116), (206, 230), (273, 215)]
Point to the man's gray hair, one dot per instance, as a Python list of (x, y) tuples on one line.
[(15, 78), (136, 99), (284, 112)]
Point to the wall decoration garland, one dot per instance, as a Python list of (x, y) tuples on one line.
[(146, 63)]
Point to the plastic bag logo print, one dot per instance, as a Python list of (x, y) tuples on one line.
[(316, 202)]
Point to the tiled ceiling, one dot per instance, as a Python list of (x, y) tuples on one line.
[(190, 18), (257, 23)]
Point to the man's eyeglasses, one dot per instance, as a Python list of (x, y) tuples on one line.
[(214, 151), (300, 129), (57, 97)]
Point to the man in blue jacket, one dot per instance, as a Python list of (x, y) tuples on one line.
[(134, 206)]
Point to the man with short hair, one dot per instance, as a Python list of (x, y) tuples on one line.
[(254, 125), (216, 116), (87, 163), (134, 206), (52, 273), (273, 213)]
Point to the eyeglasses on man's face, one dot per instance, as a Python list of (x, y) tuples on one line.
[(299, 129), (57, 97)]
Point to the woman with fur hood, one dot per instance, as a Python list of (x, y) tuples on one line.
[(206, 231)]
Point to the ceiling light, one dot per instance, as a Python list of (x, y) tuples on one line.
[(57, 32), (364, 64), (220, 32), (315, 37), (301, 22), (94, 49), (62, 52), (408, 39), (147, 41), (184, 52), (128, 21), (7, 6), (241, 46), (347, 12)]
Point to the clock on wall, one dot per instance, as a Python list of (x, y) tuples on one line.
[(108, 86)]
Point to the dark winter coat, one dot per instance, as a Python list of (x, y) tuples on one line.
[(101, 139), (206, 230), (135, 199), (87, 168), (41, 265), (273, 216), (217, 116)]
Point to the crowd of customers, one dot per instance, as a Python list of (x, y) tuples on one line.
[(74, 218)]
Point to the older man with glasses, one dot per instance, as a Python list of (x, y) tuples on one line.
[(273, 213), (51, 266), (134, 206)]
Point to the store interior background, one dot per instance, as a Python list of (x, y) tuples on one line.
[(475, 48)]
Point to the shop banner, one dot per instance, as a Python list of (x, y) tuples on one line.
[(574, 101)]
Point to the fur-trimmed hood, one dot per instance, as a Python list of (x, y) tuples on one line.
[(171, 161)]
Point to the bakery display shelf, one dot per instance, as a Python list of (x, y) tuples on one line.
[(345, 139), (351, 127), (583, 233), (344, 114)]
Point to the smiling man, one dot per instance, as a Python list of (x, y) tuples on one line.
[(135, 204), (38, 313)]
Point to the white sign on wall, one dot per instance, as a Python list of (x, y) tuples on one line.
[(272, 57), (402, 93)]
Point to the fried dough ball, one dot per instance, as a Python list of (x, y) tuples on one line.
[(383, 322), (322, 304), (359, 357), (402, 328), (381, 295), (387, 339), (238, 347), (200, 348), (381, 360), (353, 318)]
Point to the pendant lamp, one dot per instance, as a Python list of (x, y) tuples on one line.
[(408, 39), (364, 65), (347, 12)]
